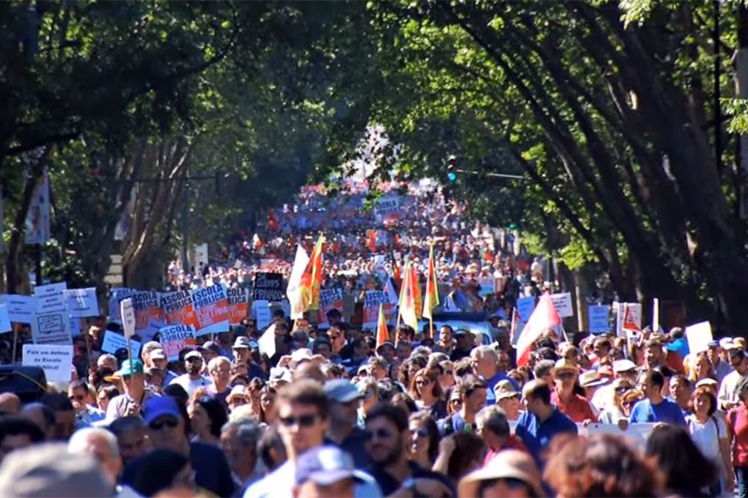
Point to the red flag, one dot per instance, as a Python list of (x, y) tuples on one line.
[(628, 320), (543, 317), (311, 280)]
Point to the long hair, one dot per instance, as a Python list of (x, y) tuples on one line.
[(216, 413), (686, 469)]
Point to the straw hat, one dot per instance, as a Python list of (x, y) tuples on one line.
[(507, 464)]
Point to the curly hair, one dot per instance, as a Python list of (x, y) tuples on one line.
[(600, 465)]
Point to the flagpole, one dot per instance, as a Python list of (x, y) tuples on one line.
[(513, 329)]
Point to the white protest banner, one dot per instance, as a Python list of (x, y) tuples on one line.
[(51, 298), (82, 302), (263, 314), (21, 309), (598, 319), (635, 312), (51, 328), (267, 342), (114, 341), (127, 314), (386, 205), (5, 325), (54, 360), (699, 335), (638, 433), (175, 338), (563, 305)]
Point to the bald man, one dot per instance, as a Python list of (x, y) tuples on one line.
[(10, 404)]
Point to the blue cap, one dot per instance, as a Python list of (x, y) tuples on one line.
[(159, 406), (325, 465), (341, 391)]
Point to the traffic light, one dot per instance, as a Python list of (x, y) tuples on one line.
[(451, 167)]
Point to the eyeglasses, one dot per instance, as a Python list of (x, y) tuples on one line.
[(423, 382), (455, 401), (78, 397), (565, 375), (169, 422), (379, 434), (301, 421)]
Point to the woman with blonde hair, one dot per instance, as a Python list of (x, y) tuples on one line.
[(427, 393), (619, 406)]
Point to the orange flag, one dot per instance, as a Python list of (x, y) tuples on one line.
[(311, 280), (432, 289), (408, 308), (382, 332)]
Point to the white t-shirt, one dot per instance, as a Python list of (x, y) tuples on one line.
[(707, 435), (190, 385)]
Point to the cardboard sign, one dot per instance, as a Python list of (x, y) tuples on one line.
[(115, 299), (238, 300), (82, 302), (598, 319), (21, 309), (262, 313), (387, 205), (175, 338), (51, 328), (127, 314), (267, 342), (50, 298), (563, 305), (212, 310), (699, 336), (329, 299), (147, 309), (5, 325), (634, 309), (114, 341), (268, 287), (178, 308), (487, 286), (54, 360)]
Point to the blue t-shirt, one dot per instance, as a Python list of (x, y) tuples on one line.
[(538, 435), (666, 411), (680, 346)]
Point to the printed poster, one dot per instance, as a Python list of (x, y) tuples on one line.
[(175, 338), (177, 308), (21, 309), (372, 300), (116, 296), (598, 319), (82, 303), (114, 341), (238, 300), (54, 360), (212, 310), (147, 310), (329, 299)]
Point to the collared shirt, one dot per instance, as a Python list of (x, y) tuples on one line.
[(578, 408), (90, 415), (645, 411), (119, 406), (728, 389), (537, 435), (511, 443)]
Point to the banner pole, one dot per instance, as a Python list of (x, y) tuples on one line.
[(129, 357), (15, 342)]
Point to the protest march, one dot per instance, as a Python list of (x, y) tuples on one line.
[(337, 351)]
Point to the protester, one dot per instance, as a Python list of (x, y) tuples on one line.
[(16, 433)]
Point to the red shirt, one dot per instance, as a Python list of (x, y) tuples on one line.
[(512, 443), (737, 420), (578, 408)]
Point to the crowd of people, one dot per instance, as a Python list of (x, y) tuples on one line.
[(365, 246), (331, 415)]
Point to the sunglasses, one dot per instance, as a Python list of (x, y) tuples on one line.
[(170, 423), (455, 401), (565, 375), (301, 421), (379, 434), (423, 382), (622, 389), (238, 400), (78, 397)]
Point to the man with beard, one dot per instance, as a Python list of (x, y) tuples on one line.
[(387, 443), (193, 363)]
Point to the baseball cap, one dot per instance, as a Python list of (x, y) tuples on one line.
[(48, 470), (504, 389), (193, 354), (129, 368), (303, 354), (210, 346), (623, 366), (325, 465), (341, 391), (159, 406), (241, 342), (713, 344), (726, 343), (158, 354)]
